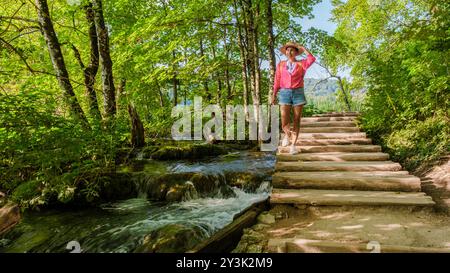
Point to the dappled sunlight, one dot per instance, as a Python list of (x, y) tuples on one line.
[(336, 216), (389, 227), (351, 227), (417, 224)]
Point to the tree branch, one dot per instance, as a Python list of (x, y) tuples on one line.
[(22, 34), (19, 19), (11, 47), (77, 56), (11, 18), (319, 82)]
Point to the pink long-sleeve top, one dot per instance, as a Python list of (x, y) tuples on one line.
[(284, 79)]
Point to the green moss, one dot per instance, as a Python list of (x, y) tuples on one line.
[(192, 151), (27, 191)]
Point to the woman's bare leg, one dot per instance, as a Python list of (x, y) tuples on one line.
[(286, 120), (297, 117)]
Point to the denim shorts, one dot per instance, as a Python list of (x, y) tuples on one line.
[(294, 97)]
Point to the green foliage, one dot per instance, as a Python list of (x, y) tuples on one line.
[(44, 155), (420, 141), (399, 54)]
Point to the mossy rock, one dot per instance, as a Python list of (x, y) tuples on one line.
[(210, 185), (181, 186), (123, 154), (27, 191), (149, 150), (194, 151), (157, 187), (107, 187), (173, 238), (247, 181), (183, 192)]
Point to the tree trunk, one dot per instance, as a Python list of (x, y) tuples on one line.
[(271, 49), (137, 128), (205, 83), (227, 59), (256, 54), (109, 97), (243, 55), (219, 83), (121, 92), (347, 102), (91, 71), (250, 15), (57, 58), (174, 81), (161, 98)]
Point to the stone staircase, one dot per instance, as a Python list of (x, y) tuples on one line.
[(339, 166)]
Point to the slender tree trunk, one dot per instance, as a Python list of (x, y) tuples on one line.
[(219, 83), (109, 97), (137, 128), (252, 48), (347, 102), (174, 81), (254, 28), (242, 52), (121, 92), (227, 59), (205, 83), (91, 70), (57, 58), (271, 49), (161, 98)]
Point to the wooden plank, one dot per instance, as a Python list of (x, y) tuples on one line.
[(352, 198), (312, 119), (337, 180), (302, 245), (318, 142), (333, 156), (306, 123), (353, 148), (337, 166), (338, 114), (329, 129), (332, 135)]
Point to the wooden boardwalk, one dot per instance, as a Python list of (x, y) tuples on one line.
[(339, 166)]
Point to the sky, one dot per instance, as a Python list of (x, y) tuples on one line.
[(322, 15)]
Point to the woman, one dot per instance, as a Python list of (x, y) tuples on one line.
[(289, 87)]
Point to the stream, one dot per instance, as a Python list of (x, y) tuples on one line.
[(122, 226)]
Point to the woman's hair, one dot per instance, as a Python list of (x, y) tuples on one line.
[(296, 49)]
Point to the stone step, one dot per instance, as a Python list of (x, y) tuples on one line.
[(334, 148), (304, 123), (337, 166), (349, 198), (337, 141), (303, 135), (336, 180), (329, 129), (333, 156), (303, 245), (313, 119)]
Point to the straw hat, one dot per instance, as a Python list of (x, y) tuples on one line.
[(292, 44)]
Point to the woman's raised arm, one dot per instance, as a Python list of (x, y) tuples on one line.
[(310, 59)]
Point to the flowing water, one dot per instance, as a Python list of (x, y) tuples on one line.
[(121, 226)]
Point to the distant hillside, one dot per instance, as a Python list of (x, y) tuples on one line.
[(324, 88)]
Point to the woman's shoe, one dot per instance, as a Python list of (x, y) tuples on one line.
[(285, 141), (293, 150)]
